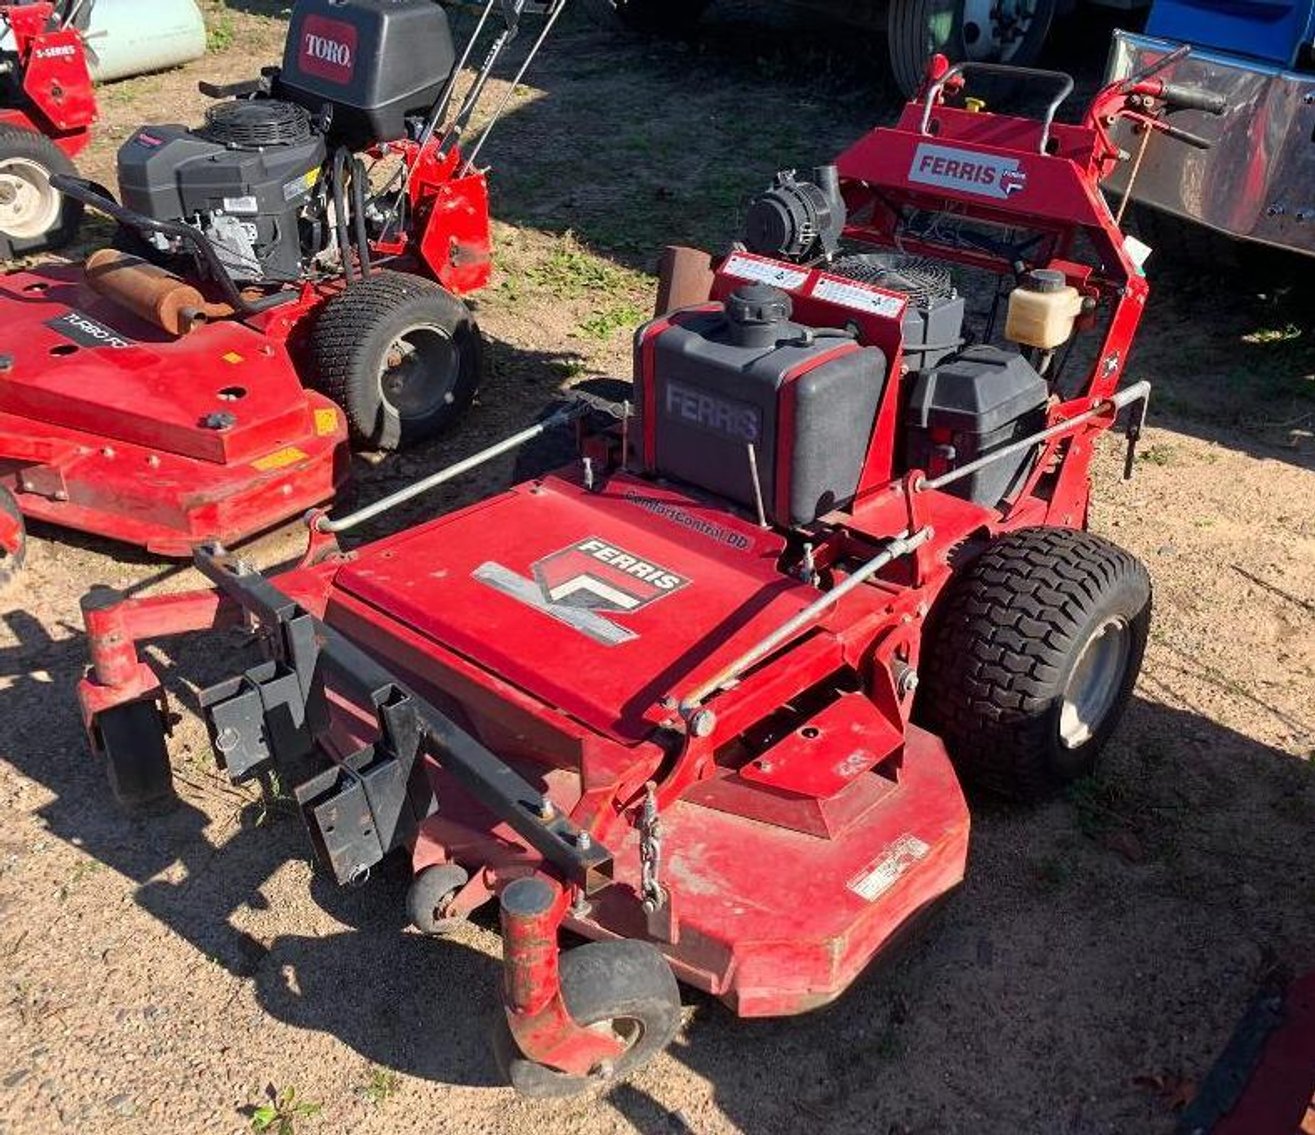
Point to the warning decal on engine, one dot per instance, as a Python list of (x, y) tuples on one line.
[(884, 872), (87, 332), (848, 293), (763, 271)]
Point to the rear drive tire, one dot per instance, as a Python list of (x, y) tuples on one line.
[(625, 985), (1031, 656), (131, 739), (400, 354), (988, 31), (12, 559), (34, 216)]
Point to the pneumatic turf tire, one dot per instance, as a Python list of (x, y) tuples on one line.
[(400, 354), (34, 216), (626, 984), (1031, 655)]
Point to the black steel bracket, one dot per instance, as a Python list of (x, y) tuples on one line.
[(360, 807)]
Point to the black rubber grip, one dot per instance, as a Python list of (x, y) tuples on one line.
[(1185, 136), (1193, 98)]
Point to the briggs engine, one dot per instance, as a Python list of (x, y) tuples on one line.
[(265, 179)]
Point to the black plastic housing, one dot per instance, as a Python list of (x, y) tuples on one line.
[(718, 386), (970, 406), (374, 62)]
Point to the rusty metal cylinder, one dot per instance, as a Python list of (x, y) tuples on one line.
[(685, 277), (531, 911), (148, 291)]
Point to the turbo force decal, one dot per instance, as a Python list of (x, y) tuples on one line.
[(87, 332), (967, 171), (328, 49), (597, 576)]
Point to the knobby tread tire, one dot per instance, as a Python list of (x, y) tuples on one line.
[(340, 351), (1002, 642)]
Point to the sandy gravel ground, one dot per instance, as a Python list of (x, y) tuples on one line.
[(160, 976)]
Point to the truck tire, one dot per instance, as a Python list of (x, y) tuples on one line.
[(625, 983), (400, 354), (1004, 31), (34, 216), (1030, 658)]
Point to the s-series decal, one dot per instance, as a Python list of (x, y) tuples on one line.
[(984, 175)]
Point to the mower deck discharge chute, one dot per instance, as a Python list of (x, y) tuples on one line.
[(705, 697), (270, 294)]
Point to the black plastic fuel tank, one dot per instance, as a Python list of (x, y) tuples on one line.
[(373, 61), (743, 374)]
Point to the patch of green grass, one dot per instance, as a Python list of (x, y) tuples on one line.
[(1284, 334), (572, 367), (571, 271), (89, 867), (1158, 454), (1099, 802), (604, 324), (219, 31), (279, 1116), (380, 1085)]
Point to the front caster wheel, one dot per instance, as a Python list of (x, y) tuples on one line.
[(13, 548), (131, 739), (429, 895), (625, 987)]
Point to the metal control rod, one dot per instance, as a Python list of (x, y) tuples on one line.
[(901, 545), (506, 445)]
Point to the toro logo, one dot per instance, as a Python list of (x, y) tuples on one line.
[(598, 576), (983, 175), (328, 49)]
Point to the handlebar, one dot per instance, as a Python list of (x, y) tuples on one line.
[(1065, 89), (1192, 98)]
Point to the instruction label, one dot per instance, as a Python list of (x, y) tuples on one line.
[(884, 872)]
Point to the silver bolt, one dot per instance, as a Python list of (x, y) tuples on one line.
[(583, 842), (226, 740), (908, 682), (702, 723)]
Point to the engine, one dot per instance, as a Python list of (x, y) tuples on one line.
[(266, 178)]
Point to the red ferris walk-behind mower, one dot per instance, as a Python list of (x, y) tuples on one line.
[(47, 109), (838, 545), (267, 296)]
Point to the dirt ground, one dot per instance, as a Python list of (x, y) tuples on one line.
[(160, 976)]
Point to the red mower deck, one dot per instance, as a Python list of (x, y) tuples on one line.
[(706, 695)]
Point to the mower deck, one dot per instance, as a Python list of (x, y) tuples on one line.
[(110, 425)]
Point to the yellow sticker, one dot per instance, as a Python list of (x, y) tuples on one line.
[(234, 358), (279, 459), (326, 422)]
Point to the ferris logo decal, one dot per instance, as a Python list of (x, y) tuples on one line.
[(714, 413), (328, 49), (86, 332), (967, 171), (598, 576)]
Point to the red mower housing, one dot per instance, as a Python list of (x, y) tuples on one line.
[(705, 696), (266, 301)]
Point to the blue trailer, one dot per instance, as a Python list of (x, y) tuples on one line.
[(1252, 177)]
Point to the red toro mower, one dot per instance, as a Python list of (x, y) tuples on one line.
[(47, 108), (829, 559), (270, 292)]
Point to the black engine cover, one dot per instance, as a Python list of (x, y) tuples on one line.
[(247, 200), (374, 62)]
